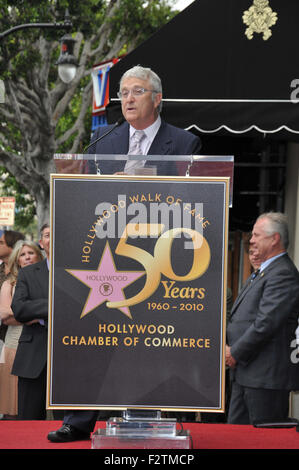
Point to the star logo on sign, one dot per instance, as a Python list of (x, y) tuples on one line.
[(105, 283)]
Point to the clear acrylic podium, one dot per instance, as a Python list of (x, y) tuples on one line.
[(185, 165), (139, 429), (146, 428)]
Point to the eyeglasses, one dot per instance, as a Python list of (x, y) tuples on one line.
[(136, 91)]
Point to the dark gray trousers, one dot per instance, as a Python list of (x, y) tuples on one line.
[(251, 405)]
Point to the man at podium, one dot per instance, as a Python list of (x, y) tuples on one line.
[(142, 132)]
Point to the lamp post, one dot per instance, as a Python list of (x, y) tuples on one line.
[(67, 63)]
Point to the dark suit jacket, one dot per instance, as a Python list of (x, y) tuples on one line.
[(30, 301), (262, 326), (170, 140)]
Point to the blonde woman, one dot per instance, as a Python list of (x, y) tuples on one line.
[(23, 254)]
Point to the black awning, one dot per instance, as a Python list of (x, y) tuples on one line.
[(214, 78)]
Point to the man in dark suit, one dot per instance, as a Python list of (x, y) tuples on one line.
[(261, 328), (141, 100), (30, 306)]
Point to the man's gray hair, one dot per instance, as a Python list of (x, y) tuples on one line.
[(144, 73), (277, 223)]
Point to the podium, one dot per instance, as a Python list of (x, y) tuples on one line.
[(141, 430), (185, 165), (138, 294)]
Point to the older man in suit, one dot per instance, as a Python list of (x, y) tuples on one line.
[(261, 328), (141, 102), (142, 133)]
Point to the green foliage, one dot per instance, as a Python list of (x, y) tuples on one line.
[(21, 59)]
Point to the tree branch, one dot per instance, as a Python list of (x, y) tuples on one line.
[(86, 99)]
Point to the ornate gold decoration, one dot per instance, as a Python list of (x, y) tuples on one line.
[(259, 19)]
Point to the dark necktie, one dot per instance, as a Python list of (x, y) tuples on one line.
[(254, 274)]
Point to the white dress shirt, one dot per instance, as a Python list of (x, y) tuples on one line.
[(150, 134)]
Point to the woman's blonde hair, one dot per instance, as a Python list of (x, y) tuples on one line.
[(13, 262)]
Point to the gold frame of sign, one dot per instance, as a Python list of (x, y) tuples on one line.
[(142, 425)]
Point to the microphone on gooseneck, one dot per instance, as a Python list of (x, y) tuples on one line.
[(118, 123)]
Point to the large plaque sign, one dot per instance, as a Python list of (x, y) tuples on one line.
[(137, 292)]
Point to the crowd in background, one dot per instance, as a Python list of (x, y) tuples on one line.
[(15, 253)]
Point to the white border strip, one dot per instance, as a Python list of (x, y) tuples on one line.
[(223, 126), (213, 100), (248, 129), (201, 100)]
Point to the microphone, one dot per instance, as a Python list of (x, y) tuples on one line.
[(118, 123)]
